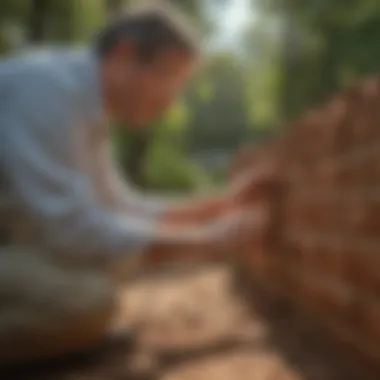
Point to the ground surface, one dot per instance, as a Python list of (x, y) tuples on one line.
[(193, 327)]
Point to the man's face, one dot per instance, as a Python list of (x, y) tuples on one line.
[(139, 92)]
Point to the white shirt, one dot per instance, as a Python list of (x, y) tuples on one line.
[(58, 178)]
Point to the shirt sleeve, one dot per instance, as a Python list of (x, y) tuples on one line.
[(43, 149), (123, 195)]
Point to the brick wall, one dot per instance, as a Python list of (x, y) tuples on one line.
[(324, 252)]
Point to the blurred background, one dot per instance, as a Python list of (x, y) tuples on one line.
[(264, 62)]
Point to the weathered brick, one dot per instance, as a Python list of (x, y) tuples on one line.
[(291, 282), (371, 319), (324, 298), (371, 223), (356, 215), (363, 269), (337, 112), (329, 243), (294, 212), (319, 221), (310, 256), (333, 262), (331, 215), (331, 298), (354, 318), (370, 90), (344, 175), (376, 167), (292, 252), (327, 174)]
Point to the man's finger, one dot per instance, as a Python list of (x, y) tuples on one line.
[(252, 183)]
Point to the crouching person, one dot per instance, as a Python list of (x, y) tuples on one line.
[(69, 219)]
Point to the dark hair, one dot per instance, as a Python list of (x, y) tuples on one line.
[(151, 29)]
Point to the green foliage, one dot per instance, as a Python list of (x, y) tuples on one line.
[(168, 169), (217, 98), (87, 16), (176, 118), (334, 42), (13, 18)]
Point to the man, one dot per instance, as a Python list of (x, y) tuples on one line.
[(70, 222)]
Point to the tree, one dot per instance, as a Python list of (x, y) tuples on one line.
[(219, 116), (336, 41), (37, 22)]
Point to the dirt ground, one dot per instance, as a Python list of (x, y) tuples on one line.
[(193, 326)]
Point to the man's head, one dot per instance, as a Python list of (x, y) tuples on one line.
[(145, 56)]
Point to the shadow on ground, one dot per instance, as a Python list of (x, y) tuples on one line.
[(195, 326)]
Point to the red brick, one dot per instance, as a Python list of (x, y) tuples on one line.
[(345, 175), (334, 215), (337, 113), (292, 252), (372, 172), (356, 215), (376, 166), (291, 282), (371, 223), (309, 215), (371, 319), (294, 212), (310, 257), (347, 138), (333, 170), (314, 214), (326, 298), (334, 300), (364, 269), (327, 174), (360, 125), (333, 263), (370, 94), (375, 130), (361, 172), (355, 316)]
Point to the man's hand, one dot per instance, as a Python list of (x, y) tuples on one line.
[(234, 231), (252, 184), (247, 187), (216, 226), (238, 230), (196, 211)]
